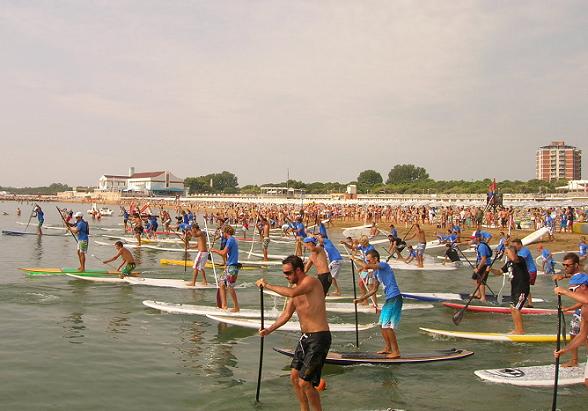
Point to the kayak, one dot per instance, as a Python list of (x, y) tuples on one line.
[(205, 309), (438, 297), (535, 376), (289, 326), (350, 358), (64, 270), (369, 309), (500, 310), (523, 338)]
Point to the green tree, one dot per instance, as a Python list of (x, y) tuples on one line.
[(406, 173), (369, 178)]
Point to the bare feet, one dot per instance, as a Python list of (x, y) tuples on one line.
[(515, 332), (190, 284), (384, 352), (569, 364), (234, 310), (393, 355), (204, 283)]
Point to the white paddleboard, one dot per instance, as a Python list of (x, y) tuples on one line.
[(369, 309), (401, 266), (168, 282), (536, 376), (112, 280), (205, 309), (327, 298), (289, 326)]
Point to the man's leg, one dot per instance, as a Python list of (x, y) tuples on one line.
[(234, 298), (223, 295), (294, 378), (311, 394)]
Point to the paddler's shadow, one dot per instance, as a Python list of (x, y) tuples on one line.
[(73, 326)]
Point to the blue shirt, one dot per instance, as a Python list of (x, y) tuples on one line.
[(526, 255), (501, 245), (332, 251), (83, 230), (300, 230), (394, 232), (385, 275), (583, 249), (483, 250), (486, 236), (233, 251), (364, 250), (323, 230), (40, 215)]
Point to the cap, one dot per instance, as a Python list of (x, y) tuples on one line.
[(310, 240), (78, 214), (476, 234), (578, 279)]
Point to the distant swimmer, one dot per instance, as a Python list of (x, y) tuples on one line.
[(392, 308), (307, 299), (201, 257), (128, 261), (82, 230), (318, 258)]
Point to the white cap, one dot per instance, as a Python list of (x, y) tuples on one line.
[(78, 214)]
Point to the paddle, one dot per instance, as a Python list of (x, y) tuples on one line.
[(260, 345), (108, 264), (557, 348), (66, 224), (253, 237), (458, 316), (354, 297), (498, 257), (402, 241), (218, 297), (30, 217)]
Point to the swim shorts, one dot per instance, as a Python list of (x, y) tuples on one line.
[(229, 277), (265, 243), (335, 267), (518, 299), (310, 354), (481, 274), (420, 249), (128, 269), (200, 260), (326, 280), (83, 246), (138, 229), (575, 324), (391, 312), (532, 277)]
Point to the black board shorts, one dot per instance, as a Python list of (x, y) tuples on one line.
[(310, 354), (481, 274), (519, 298), (326, 280)]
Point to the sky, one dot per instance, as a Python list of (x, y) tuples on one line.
[(324, 89)]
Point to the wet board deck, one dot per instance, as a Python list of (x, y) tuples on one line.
[(71, 270), (500, 310), (401, 266), (523, 338), (350, 358), (98, 279), (535, 376), (369, 309), (438, 297), (289, 326), (247, 265), (191, 309), (168, 283)]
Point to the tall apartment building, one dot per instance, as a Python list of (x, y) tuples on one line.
[(559, 161)]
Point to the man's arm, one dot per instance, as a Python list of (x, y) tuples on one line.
[(369, 294), (281, 320), (582, 299), (113, 258), (577, 341)]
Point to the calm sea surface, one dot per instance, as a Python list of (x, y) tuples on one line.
[(75, 345)]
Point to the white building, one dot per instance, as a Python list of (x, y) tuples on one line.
[(110, 182), (148, 183)]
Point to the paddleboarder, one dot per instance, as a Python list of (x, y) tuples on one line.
[(201, 257), (264, 236), (421, 245), (82, 230), (229, 277), (483, 257), (519, 286), (578, 290), (526, 254), (40, 219), (307, 299), (128, 261), (318, 258), (138, 227), (392, 308), (335, 259)]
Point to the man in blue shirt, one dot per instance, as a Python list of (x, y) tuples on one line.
[(229, 277), (392, 308), (483, 262), (334, 257), (531, 267), (82, 229), (40, 218)]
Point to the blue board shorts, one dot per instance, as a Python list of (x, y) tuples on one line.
[(391, 312)]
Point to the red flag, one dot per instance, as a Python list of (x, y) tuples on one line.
[(492, 187)]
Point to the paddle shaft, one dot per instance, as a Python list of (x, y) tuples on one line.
[(355, 305), (474, 268), (557, 348), (66, 224), (260, 345), (30, 217), (108, 264)]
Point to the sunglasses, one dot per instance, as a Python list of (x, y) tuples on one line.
[(288, 273), (574, 287), (568, 265)]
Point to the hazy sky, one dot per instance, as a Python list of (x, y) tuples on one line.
[(466, 89)]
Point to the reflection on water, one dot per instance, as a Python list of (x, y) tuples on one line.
[(37, 253), (73, 326)]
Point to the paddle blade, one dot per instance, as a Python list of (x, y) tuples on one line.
[(457, 317)]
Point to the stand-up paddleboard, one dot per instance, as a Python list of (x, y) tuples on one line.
[(523, 338), (205, 309), (500, 310), (147, 246), (289, 326), (247, 265), (350, 358), (327, 298), (536, 376), (20, 233), (168, 283), (99, 279), (64, 270), (535, 236), (438, 297), (356, 232), (401, 266), (369, 309), (279, 257)]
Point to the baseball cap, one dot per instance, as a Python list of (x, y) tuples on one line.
[(578, 280), (310, 240), (78, 214)]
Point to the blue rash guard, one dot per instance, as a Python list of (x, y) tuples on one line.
[(483, 250), (332, 252), (525, 254), (300, 230), (40, 216), (323, 230), (394, 233), (83, 230), (233, 251), (385, 275)]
